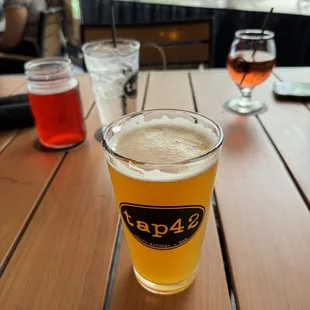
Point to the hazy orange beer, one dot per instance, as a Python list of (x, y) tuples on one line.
[(163, 164)]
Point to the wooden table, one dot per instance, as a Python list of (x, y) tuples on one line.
[(61, 245)]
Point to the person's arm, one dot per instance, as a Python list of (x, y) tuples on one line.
[(15, 22)]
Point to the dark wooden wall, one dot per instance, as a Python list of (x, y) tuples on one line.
[(292, 31)]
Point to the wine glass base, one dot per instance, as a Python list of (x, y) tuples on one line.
[(236, 106)]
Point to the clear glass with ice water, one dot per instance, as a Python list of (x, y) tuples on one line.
[(114, 76)]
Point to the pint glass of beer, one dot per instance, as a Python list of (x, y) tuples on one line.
[(163, 164)]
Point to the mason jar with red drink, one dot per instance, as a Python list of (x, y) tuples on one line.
[(55, 102)]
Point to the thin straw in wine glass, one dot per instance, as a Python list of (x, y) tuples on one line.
[(265, 23)]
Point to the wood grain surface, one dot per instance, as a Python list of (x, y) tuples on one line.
[(59, 210), (288, 124), (169, 90), (209, 291), (9, 86), (6, 137), (265, 221), (26, 171), (65, 253), (10, 83)]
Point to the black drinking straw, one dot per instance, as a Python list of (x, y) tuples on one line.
[(113, 23), (265, 23)]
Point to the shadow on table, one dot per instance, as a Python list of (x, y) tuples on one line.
[(238, 136), (41, 148), (131, 293)]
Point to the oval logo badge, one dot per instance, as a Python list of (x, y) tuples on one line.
[(162, 227), (130, 87)]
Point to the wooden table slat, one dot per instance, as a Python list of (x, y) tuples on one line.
[(24, 173), (165, 92), (265, 221), (65, 253), (76, 223), (209, 291), (6, 137), (288, 124), (63, 258), (10, 83)]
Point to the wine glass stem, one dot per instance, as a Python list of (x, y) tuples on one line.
[(246, 98)]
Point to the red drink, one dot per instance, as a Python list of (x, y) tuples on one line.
[(247, 71), (58, 117)]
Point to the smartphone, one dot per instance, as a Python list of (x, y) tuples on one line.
[(289, 90)]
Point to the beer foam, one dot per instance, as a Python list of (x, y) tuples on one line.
[(161, 142)]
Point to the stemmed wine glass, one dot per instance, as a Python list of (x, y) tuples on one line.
[(250, 61)]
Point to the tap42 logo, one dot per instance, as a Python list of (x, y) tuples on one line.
[(162, 227)]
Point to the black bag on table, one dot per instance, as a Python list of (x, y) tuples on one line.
[(15, 112)]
